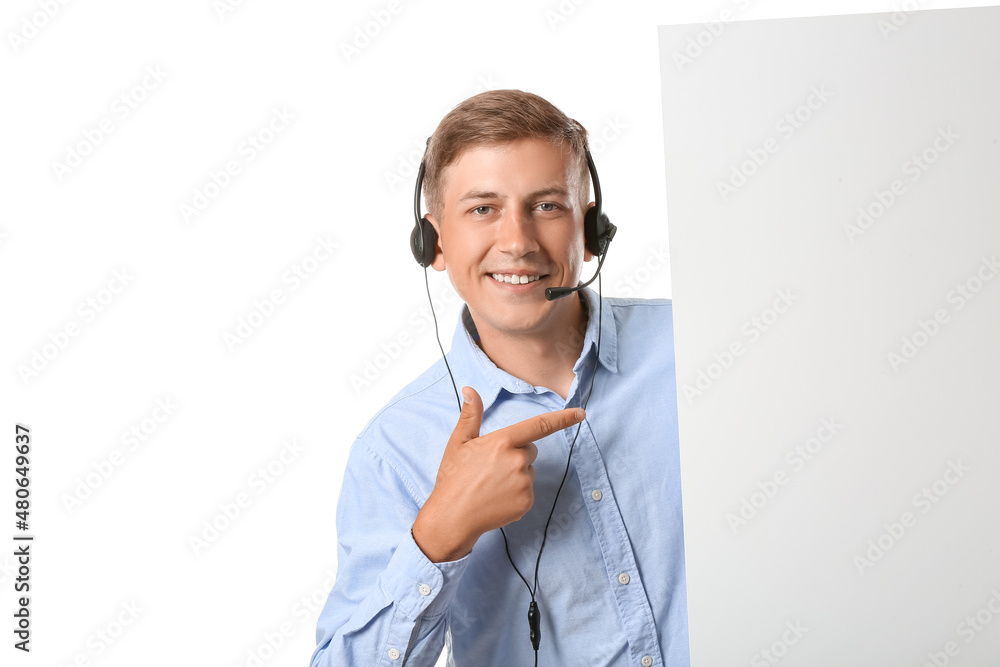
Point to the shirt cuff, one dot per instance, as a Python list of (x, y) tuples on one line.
[(418, 586)]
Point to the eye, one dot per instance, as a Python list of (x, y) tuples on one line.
[(548, 207), (482, 210)]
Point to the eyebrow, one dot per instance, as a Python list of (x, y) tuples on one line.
[(544, 192), (478, 194)]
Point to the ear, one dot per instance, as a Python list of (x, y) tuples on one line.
[(587, 255), (438, 263)]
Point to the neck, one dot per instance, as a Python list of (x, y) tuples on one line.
[(543, 358)]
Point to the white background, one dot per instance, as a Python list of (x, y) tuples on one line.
[(116, 545)]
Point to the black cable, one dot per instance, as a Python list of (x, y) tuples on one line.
[(507, 549), (534, 620), (533, 591), (438, 336), (590, 391)]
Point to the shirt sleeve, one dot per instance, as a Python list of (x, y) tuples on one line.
[(389, 605)]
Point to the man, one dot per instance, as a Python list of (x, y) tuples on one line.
[(421, 559)]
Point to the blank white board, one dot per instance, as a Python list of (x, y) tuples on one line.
[(832, 190)]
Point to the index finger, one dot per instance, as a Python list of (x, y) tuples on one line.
[(539, 426)]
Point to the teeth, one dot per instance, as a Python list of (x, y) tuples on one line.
[(514, 280)]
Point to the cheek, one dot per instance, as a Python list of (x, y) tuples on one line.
[(576, 248), (464, 253)]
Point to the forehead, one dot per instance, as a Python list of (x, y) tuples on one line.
[(510, 169)]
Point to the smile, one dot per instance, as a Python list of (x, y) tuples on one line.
[(514, 280)]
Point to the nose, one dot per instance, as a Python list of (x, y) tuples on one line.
[(516, 233)]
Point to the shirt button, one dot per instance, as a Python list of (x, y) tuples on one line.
[(646, 661), (424, 590), (596, 494), (623, 578), (393, 654)]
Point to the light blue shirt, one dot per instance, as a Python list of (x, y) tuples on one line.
[(611, 583)]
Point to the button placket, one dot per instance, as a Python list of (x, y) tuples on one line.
[(607, 521)]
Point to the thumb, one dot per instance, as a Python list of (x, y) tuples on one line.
[(471, 419)]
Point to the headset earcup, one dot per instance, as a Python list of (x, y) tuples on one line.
[(590, 234), (423, 243), (595, 228)]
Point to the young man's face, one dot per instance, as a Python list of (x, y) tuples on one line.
[(514, 210)]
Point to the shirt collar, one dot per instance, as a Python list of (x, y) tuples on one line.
[(473, 368)]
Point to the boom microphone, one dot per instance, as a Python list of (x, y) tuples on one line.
[(553, 293)]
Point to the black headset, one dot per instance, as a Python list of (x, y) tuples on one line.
[(597, 228)]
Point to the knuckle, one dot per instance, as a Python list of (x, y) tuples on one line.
[(525, 501), (531, 453), (542, 426), (515, 463)]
